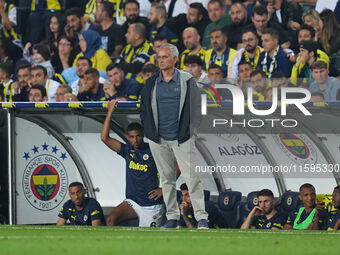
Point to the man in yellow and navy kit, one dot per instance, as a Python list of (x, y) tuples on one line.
[(309, 217), (309, 53), (143, 196), (191, 40), (220, 54), (136, 53), (7, 83), (157, 19), (80, 210), (91, 8), (264, 215), (8, 14), (332, 221), (38, 21), (187, 219)]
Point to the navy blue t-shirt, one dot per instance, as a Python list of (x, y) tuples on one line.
[(130, 89), (141, 174), (164, 31), (277, 221), (89, 96), (92, 211)]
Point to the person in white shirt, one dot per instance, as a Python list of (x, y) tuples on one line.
[(39, 77)]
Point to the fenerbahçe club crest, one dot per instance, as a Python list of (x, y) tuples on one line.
[(45, 179), (297, 147)]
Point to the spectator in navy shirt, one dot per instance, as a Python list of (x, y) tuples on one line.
[(92, 89), (273, 58), (119, 87)]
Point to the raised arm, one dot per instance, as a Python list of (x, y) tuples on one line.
[(112, 143)]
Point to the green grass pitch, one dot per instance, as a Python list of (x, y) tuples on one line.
[(50, 240)]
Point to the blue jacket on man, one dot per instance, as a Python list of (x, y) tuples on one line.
[(189, 108)]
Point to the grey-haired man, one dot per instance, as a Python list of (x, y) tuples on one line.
[(170, 110)]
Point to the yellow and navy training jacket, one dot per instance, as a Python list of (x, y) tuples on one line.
[(45, 4), (223, 61), (9, 33), (136, 55), (187, 52)]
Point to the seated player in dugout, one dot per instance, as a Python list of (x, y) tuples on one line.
[(187, 218), (311, 215), (265, 215), (143, 194), (333, 218), (80, 210)]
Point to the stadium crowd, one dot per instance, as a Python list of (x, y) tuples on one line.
[(113, 50), (100, 50)]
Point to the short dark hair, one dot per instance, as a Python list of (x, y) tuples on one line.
[(113, 65), (309, 28), (41, 88), (108, 8), (43, 50), (265, 192), (272, 32), (193, 59), (159, 38), (249, 30), (259, 10), (130, 2), (134, 126), (244, 63), (149, 68), (69, 39), (39, 67), (213, 66), (318, 65), (216, 29), (337, 188), (184, 186), (75, 11), (220, 3), (278, 75), (7, 69), (24, 66), (92, 71), (85, 58), (306, 186), (258, 71), (199, 7), (76, 184)]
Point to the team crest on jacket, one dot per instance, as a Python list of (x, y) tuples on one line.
[(145, 156), (45, 179)]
